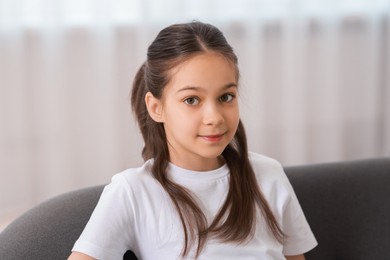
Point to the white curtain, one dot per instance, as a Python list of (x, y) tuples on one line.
[(315, 84)]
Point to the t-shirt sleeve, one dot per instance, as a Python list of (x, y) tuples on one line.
[(109, 232), (299, 238)]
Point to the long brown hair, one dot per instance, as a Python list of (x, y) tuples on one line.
[(236, 220)]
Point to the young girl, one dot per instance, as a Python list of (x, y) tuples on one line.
[(199, 194)]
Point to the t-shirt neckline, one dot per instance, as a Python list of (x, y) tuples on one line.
[(175, 172)]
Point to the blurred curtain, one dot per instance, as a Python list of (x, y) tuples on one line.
[(315, 84)]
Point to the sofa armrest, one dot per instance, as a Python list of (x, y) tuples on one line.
[(49, 230)]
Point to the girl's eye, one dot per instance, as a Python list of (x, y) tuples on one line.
[(226, 98), (191, 101)]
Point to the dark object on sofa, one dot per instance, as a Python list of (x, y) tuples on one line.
[(346, 203)]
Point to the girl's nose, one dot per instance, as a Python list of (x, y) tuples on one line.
[(212, 115)]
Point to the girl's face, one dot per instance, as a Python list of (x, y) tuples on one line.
[(199, 110)]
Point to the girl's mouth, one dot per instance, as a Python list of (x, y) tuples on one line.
[(212, 138)]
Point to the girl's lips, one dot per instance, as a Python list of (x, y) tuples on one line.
[(212, 138)]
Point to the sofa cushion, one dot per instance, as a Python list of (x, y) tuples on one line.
[(347, 205)]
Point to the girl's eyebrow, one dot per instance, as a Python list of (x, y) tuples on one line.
[(196, 88)]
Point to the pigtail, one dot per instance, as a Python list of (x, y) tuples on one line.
[(243, 197), (138, 105), (152, 132)]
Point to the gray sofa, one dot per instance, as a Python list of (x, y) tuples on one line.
[(346, 203)]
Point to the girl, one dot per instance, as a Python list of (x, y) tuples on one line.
[(199, 194)]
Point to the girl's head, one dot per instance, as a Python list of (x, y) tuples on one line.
[(170, 56)]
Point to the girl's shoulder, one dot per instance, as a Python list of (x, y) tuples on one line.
[(263, 162), (266, 168), (135, 178), (137, 172), (272, 180)]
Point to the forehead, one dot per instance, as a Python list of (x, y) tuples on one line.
[(206, 70)]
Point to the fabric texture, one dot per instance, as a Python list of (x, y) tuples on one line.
[(135, 202)]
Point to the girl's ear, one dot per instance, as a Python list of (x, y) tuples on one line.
[(154, 107)]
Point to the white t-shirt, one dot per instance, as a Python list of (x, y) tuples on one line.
[(135, 213)]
